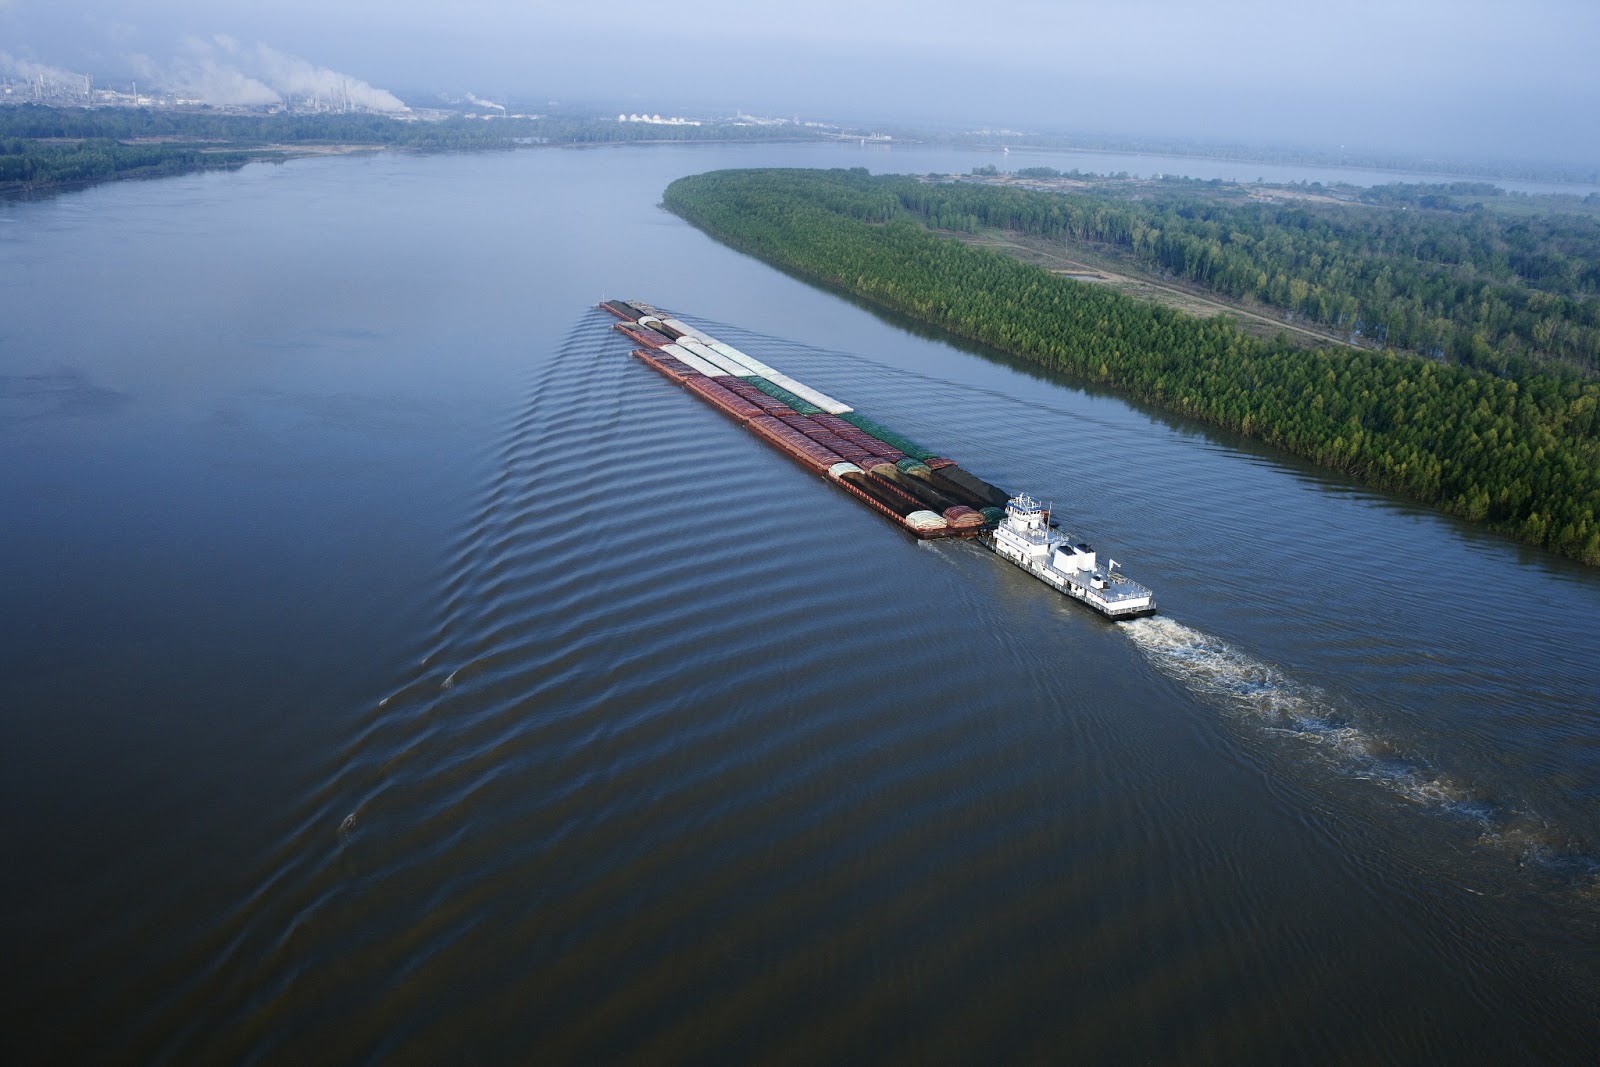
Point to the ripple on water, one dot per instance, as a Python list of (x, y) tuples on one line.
[(661, 783)]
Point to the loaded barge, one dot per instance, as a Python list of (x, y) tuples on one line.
[(929, 496)]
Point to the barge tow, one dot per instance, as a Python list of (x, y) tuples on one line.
[(929, 496)]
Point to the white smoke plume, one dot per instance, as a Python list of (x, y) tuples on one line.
[(218, 70), (297, 79), (202, 76), (485, 103), (53, 80)]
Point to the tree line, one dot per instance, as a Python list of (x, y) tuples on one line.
[(35, 122), (42, 147), (32, 164), (1520, 455), (1240, 156), (1505, 291)]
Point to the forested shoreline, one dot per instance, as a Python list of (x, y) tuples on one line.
[(1421, 268), (43, 149), (1520, 453), (48, 148), (32, 165)]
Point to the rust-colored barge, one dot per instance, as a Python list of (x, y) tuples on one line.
[(928, 496)]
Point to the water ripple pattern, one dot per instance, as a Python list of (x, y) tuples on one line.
[(706, 761), (1335, 729)]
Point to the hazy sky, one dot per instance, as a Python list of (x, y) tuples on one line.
[(1421, 76)]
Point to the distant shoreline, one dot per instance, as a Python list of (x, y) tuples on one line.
[(282, 152)]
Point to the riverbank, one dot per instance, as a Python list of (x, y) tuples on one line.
[(1521, 457), (47, 149)]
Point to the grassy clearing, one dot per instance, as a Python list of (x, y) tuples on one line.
[(1118, 273)]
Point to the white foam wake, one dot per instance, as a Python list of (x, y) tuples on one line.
[(1253, 689)]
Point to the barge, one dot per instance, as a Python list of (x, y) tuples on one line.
[(928, 496)]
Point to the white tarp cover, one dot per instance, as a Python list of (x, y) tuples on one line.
[(683, 355), (705, 353), (778, 378), (735, 362)]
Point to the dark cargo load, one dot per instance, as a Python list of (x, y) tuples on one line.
[(931, 498), (952, 490), (989, 494), (884, 485), (895, 502)]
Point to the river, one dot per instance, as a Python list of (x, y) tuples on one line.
[(393, 669)]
